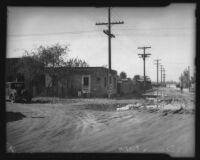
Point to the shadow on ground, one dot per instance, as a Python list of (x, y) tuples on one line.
[(31, 102), (14, 116)]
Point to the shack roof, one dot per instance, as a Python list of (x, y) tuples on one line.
[(80, 69)]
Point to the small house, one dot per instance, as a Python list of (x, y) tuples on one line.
[(81, 81)]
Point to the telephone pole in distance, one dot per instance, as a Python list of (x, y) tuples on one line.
[(157, 64), (161, 69), (164, 76), (189, 78)]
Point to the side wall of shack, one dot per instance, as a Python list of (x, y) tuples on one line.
[(71, 83), (98, 82), (127, 87), (132, 86)]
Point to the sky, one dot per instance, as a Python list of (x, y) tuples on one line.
[(170, 31)]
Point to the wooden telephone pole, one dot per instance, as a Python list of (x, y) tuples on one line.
[(189, 78), (157, 64), (164, 76), (144, 56), (161, 69), (110, 35)]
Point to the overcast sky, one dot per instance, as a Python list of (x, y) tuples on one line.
[(170, 31)]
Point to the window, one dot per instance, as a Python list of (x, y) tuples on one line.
[(86, 81)]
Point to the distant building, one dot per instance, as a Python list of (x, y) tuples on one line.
[(128, 86), (12, 74), (72, 81), (139, 81), (171, 85), (12, 70), (125, 86), (81, 81)]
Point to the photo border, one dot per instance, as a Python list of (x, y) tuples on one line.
[(88, 3)]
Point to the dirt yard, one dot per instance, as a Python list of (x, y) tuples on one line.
[(163, 125)]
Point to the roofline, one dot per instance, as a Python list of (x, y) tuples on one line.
[(65, 67), (14, 58), (15, 82)]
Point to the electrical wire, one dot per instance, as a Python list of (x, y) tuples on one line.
[(47, 34), (89, 31)]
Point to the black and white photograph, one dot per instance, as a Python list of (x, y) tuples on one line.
[(101, 79)]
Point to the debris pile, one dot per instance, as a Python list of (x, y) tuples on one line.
[(153, 105), (127, 107)]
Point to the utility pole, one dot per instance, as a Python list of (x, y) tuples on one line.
[(110, 35), (189, 78), (144, 56), (164, 76), (161, 69), (157, 64)]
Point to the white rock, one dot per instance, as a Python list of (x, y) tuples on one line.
[(151, 106), (128, 106)]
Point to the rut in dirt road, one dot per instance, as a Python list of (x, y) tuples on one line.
[(67, 128)]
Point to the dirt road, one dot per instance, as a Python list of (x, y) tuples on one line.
[(94, 125)]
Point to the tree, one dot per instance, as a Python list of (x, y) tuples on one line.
[(45, 59), (123, 75), (34, 63), (53, 56), (31, 68), (136, 77), (75, 62), (193, 78), (184, 79), (105, 66)]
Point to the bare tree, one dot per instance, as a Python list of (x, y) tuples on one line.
[(76, 62), (45, 60), (184, 79), (123, 75)]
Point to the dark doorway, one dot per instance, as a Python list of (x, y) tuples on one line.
[(86, 81)]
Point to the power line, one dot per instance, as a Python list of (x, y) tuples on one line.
[(153, 29), (47, 34), (176, 63), (90, 31)]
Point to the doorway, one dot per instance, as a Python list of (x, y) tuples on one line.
[(86, 83)]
